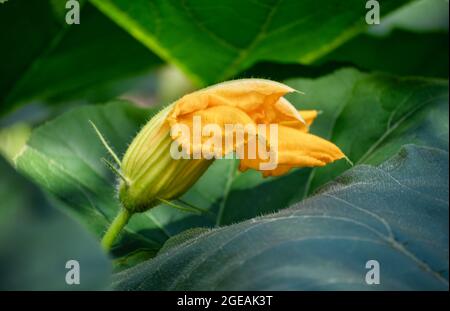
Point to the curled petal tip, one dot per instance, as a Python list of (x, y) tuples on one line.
[(298, 92), (348, 160), (284, 106)]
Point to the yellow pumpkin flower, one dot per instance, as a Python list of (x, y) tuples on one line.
[(258, 101), (150, 174)]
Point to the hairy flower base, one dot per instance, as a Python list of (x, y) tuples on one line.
[(151, 173)]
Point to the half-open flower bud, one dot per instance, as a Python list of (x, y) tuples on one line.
[(259, 117), (152, 173)]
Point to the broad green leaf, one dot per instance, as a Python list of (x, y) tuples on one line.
[(181, 238), (43, 58), (215, 40), (395, 213), (36, 241)]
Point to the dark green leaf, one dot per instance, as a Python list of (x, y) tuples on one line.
[(36, 241), (181, 238), (400, 52), (281, 72), (395, 213)]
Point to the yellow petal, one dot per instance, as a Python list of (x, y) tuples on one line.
[(297, 149), (308, 116), (220, 116), (246, 94), (286, 108)]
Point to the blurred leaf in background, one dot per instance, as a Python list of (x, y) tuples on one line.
[(212, 41), (13, 139), (36, 241), (400, 52), (43, 58), (421, 16), (412, 41)]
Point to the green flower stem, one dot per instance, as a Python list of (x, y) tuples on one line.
[(114, 229)]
